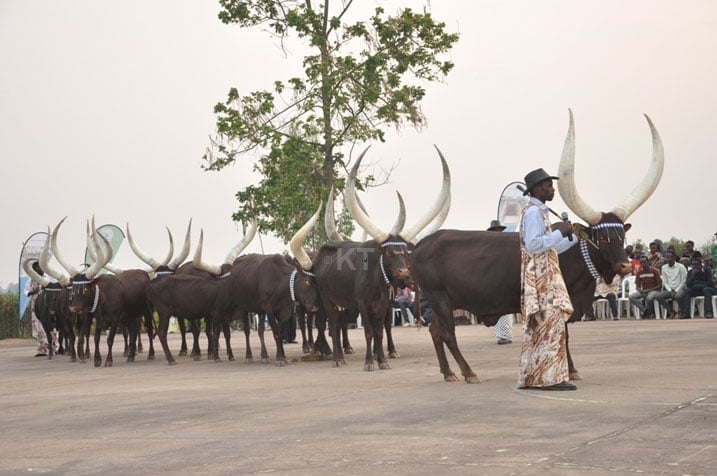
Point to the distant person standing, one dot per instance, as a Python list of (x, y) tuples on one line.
[(38, 331), (545, 303), (503, 329)]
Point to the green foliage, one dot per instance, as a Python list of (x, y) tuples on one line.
[(359, 78), (9, 322)]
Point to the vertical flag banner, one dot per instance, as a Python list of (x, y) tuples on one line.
[(31, 249), (510, 205), (114, 235)]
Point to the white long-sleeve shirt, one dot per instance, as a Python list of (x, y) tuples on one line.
[(536, 240)]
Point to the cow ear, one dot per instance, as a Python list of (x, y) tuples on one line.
[(627, 227)]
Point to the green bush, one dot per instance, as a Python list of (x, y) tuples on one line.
[(10, 325)]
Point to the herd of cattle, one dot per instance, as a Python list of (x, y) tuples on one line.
[(478, 271)]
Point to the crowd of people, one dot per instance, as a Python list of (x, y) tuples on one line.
[(661, 276)]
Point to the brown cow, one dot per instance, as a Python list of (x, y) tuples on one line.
[(480, 270), (361, 275)]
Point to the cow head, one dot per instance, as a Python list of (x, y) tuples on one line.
[(607, 230), (303, 282), (84, 293), (394, 246)]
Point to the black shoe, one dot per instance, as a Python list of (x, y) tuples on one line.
[(558, 386), (709, 316), (588, 318), (502, 341), (40, 354)]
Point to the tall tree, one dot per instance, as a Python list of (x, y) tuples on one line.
[(360, 77)]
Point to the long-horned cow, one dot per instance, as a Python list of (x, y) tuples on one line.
[(361, 275), (269, 284), (480, 271)]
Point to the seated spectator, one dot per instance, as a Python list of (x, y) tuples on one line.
[(635, 260), (654, 256), (689, 251), (674, 284), (605, 291), (404, 301), (700, 282), (648, 283), (426, 311)]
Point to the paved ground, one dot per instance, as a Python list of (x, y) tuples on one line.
[(647, 405)]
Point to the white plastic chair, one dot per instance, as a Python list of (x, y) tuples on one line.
[(699, 303), (626, 287), (601, 309)]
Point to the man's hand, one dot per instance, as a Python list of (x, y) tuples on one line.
[(566, 227)]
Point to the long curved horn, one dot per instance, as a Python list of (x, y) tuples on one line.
[(43, 281), (332, 233), (102, 257), (197, 262), (401, 220), (437, 222), (438, 205), (352, 206), (296, 245), (239, 247), (566, 182), (58, 256), (93, 244), (153, 263), (61, 278), (179, 259), (648, 185)]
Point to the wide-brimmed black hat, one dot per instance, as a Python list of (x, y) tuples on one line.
[(495, 226), (535, 177)]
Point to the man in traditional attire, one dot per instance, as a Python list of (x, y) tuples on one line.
[(544, 301)]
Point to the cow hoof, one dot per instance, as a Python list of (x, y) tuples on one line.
[(575, 376), (125, 353), (472, 379), (231, 359), (98, 363), (130, 359), (182, 353), (349, 350), (150, 357), (265, 360), (172, 362), (393, 355), (450, 378), (248, 360), (196, 358), (368, 368), (108, 364), (306, 350), (384, 366)]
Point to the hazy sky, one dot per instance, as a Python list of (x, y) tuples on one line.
[(106, 109)]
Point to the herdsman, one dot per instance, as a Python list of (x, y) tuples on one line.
[(545, 303)]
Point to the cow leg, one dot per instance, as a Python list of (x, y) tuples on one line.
[(277, 324), (321, 345), (367, 319), (226, 329), (162, 329), (333, 320), (183, 331), (443, 332), (246, 325), (98, 334), (213, 326), (305, 347), (110, 341), (133, 329), (149, 327), (378, 340), (260, 331), (388, 327), (196, 330), (125, 336), (572, 371)]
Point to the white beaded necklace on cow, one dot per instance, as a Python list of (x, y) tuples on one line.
[(97, 293), (588, 261), (292, 281)]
